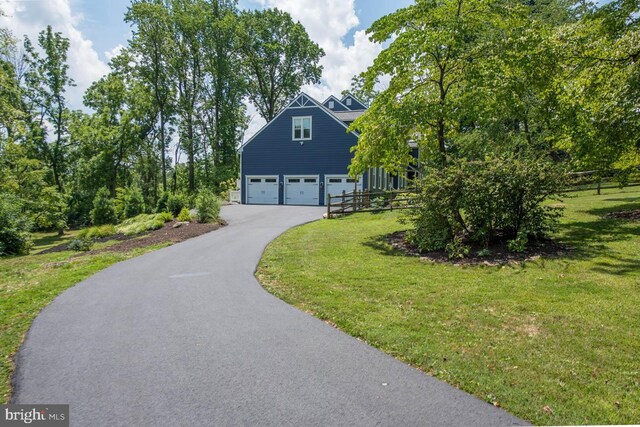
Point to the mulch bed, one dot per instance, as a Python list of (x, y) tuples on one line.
[(499, 253), (166, 234), (632, 214)]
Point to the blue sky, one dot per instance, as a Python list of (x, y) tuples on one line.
[(96, 31), (104, 25)]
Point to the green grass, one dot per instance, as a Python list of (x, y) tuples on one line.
[(29, 283), (143, 222), (554, 341)]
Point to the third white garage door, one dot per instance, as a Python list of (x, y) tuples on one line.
[(302, 190), (336, 184)]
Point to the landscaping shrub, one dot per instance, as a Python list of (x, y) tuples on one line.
[(80, 245), (175, 203), (184, 215), (481, 202), (98, 232), (208, 206), (163, 203), (133, 202), (103, 211), (143, 222), (15, 238)]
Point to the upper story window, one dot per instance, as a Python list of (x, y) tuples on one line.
[(348, 102), (301, 128), (332, 105)]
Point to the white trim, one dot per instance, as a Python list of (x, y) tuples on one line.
[(246, 184), (284, 181), (293, 128), (322, 107)]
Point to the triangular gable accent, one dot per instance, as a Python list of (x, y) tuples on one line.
[(303, 100), (331, 97), (356, 99)]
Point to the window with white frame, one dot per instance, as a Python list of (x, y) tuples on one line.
[(332, 105), (348, 102), (301, 128)]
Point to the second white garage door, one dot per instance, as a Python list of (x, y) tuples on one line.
[(302, 190)]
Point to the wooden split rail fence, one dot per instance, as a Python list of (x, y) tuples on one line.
[(369, 201)]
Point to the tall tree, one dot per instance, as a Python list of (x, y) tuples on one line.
[(47, 80), (223, 114), (189, 21), (153, 46), (279, 58)]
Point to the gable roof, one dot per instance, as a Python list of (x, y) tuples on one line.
[(349, 95), (333, 98), (301, 100)]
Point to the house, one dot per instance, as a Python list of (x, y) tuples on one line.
[(304, 153)]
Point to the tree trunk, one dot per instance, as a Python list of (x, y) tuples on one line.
[(164, 155)]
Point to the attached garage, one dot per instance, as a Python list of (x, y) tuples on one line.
[(336, 184), (262, 190), (302, 190)]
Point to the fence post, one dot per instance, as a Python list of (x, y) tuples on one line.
[(328, 206), (342, 203), (353, 202)]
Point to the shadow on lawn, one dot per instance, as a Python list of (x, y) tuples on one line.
[(584, 239)]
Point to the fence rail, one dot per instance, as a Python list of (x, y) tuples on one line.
[(375, 201), (369, 201)]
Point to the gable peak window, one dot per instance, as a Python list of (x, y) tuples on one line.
[(302, 128), (348, 102), (332, 105)]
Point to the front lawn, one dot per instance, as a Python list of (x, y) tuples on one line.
[(553, 341)]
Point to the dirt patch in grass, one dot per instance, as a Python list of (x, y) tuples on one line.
[(499, 254), (167, 234), (632, 214)]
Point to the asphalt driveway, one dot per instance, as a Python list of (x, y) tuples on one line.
[(185, 336)]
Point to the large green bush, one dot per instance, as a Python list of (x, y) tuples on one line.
[(133, 202), (481, 202), (15, 238), (103, 211), (208, 206), (175, 203)]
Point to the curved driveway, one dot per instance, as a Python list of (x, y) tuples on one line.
[(185, 336)]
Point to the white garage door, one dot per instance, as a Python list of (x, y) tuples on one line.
[(335, 184), (262, 190), (302, 190)]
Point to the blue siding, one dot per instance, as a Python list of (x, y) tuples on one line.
[(272, 151), (355, 104), (337, 106)]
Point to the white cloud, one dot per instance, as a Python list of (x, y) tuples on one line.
[(115, 51), (31, 17), (327, 23)]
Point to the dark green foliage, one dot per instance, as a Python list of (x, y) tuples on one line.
[(14, 227), (103, 211), (501, 198), (175, 203), (163, 203), (133, 202), (208, 206)]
